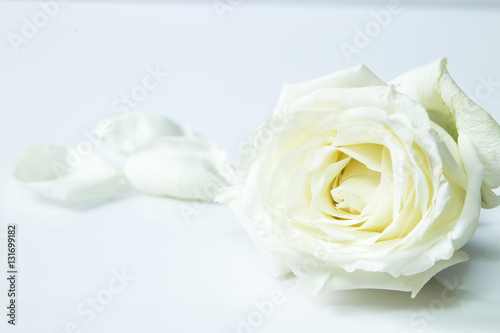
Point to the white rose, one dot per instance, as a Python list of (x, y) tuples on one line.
[(356, 183)]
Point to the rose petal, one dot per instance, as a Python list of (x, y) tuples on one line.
[(49, 171), (448, 106), (181, 167), (322, 279), (132, 131), (359, 76)]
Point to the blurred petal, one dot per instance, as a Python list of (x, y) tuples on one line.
[(132, 131), (181, 167), (50, 171)]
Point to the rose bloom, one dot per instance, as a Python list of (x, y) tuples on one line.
[(358, 183)]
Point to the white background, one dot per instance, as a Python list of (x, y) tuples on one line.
[(201, 273)]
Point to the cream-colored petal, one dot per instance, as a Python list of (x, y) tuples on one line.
[(489, 199), (448, 106), (54, 173), (359, 181), (181, 167), (132, 131), (321, 278), (359, 76)]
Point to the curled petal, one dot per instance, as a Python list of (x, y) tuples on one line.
[(359, 76), (448, 106), (322, 279), (56, 174)]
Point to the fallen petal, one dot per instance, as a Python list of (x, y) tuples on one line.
[(47, 170), (133, 131), (187, 168)]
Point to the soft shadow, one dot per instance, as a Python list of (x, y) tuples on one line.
[(486, 251)]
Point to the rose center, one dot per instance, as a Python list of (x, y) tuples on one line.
[(354, 187)]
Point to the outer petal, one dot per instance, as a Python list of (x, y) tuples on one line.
[(432, 86), (325, 278), (45, 169), (181, 167), (132, 131), (356, 77)]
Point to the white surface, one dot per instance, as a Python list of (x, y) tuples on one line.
[(202, 274)]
